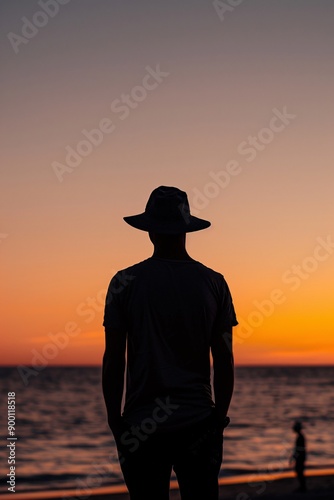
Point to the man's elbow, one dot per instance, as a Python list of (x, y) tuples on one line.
[(222, 350), (223, 359), (224, 366)]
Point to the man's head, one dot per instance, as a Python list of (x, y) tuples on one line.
[(297, 426)]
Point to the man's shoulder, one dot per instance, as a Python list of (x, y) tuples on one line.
[(212, 273), (135, 268), (122, 278), (131, 271)]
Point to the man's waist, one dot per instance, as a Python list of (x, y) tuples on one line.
[(166, 413)]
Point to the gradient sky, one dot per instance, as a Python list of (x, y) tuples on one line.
[(226, 79)]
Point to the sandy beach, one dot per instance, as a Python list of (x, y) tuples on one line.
[(264, 487)]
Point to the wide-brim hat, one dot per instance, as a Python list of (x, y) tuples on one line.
[(167, 212)]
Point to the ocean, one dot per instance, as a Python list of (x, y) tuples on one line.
[(63, 440)]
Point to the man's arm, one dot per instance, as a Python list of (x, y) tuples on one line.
[(113, 376), (223, 373)]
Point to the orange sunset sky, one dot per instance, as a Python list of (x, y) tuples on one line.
[(104, 101)]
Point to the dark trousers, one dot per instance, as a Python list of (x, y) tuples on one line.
[(194, 453)]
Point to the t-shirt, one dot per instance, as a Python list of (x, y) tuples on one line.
[(170, 310)]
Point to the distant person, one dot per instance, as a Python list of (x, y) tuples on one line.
[(299, 455), (164, 315)]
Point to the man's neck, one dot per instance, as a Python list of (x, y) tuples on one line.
[(168, 254)]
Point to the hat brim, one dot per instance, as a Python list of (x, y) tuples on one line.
[(147, 223)]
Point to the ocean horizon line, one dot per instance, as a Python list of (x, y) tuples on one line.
[(237, 365)]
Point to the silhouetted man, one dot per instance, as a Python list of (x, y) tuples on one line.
[(164, 315), (299, 455)]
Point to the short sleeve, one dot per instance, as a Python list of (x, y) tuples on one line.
[(226, 313), (114, 316)]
